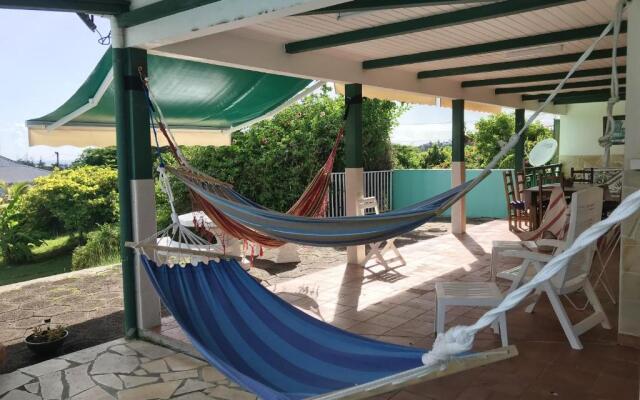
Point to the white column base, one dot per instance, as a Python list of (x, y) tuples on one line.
[(458, 211), (144, 225), (354, 183)]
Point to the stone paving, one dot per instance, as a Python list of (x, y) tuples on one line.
[(398, 306), (123, 370), (89, 302)]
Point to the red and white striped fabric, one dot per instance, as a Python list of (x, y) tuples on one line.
[(554, 220)]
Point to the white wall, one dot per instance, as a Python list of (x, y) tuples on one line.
[(581, 127)]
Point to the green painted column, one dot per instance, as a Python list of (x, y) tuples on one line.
[(353, 126), (457, 130), (556, 136), (519, 150), (354, 173), (458, 168), (134, 161)]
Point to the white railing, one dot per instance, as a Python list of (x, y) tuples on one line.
[(376, 183)]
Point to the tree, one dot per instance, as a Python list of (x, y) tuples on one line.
[(406, 157), (492, 132), (437, 156), (97, 156)]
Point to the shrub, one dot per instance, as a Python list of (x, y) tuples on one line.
[(102, 247), (16, 241), (73, 200)]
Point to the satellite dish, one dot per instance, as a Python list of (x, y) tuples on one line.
[(543, 152)]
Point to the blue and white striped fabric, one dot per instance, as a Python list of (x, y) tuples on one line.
[(324, 232), (263, 343)]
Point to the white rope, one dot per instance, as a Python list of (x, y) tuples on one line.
[(460, 338), (606, 139)]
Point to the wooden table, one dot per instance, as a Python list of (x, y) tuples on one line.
[(531, 197)]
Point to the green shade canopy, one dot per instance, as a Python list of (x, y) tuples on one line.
[(191, 94)]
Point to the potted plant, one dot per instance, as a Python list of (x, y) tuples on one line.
[(45, 338)]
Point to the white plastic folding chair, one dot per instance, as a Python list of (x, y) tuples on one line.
[(377, 250), (586, 210)]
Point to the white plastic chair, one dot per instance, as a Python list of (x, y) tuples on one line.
[(586, 210), (376, 249)]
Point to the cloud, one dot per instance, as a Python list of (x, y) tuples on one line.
[(48, 154), (14, 140)]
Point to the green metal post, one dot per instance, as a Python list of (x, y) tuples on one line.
[(132, 130), (519, 158), (457, 127), (353, 126)]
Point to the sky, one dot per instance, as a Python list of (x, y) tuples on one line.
[(47, 55), (45, 58)]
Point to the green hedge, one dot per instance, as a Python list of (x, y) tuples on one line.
[(73, 201)]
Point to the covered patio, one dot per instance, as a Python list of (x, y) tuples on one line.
[(396, 306), (459, 52)]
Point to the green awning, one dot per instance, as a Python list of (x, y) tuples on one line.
[(191, 94)]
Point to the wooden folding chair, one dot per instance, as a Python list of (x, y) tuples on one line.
[(369, 205), (517, 210)]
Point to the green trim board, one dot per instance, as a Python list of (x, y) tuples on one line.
[(192, 95), (486, 200), (430, 22), (104, 7), (585, 73), (491, 47), (353, 126), (528, 63), (157, 10), (377, 5), (589, 98), (568, 95), (568, 85)]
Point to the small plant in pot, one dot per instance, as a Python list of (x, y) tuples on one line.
[(46, 339)]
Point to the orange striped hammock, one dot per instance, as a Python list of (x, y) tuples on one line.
[(312, 203)]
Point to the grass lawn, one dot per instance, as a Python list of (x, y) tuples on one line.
[(53, 257)]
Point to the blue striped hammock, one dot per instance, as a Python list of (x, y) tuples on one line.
[(277, 351), (320, 232)]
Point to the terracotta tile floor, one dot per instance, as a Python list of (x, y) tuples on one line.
[(399, 306)]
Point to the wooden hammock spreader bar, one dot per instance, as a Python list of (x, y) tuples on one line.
[(177, 250), (420, 375)]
